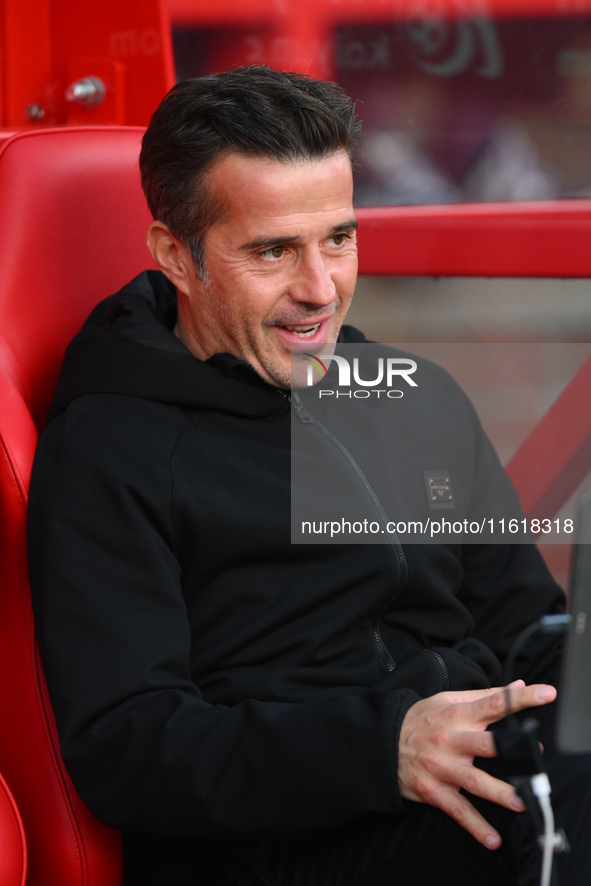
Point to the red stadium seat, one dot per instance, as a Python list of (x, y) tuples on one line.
[(13, 847), (73, 222)]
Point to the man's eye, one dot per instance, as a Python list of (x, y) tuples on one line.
[(339, 239), (273, 253)]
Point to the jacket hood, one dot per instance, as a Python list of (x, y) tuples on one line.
[(127, 347)]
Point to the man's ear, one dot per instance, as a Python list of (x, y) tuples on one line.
[(171, 256)]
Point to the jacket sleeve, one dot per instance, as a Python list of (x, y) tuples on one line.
[(145, 751)]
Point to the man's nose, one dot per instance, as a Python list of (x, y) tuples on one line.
[(313, 281)]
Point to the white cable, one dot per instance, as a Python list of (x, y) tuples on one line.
[(541, 787)]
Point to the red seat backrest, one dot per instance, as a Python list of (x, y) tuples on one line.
[(73, 222), (73, 227)]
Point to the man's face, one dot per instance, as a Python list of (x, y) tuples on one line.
[(281, 265)]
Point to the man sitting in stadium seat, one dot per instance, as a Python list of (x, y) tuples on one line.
[(246, 710)]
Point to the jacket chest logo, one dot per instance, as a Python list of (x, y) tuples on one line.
[(439, 490)]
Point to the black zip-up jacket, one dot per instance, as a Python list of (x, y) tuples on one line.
[(210, 679)]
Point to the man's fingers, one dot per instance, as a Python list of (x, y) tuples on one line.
[(460, 696), (473, 744), (489, 705), (456, 769), (453, 803), (478, 783), (486, 786), (496, 706), (439, 739), (476, 744)]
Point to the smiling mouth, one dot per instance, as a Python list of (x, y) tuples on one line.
[(303, 331)]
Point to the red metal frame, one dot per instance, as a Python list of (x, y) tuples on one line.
[(478, 240), (46, 44)]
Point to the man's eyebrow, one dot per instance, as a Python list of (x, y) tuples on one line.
[(352, 223), (263, 242)]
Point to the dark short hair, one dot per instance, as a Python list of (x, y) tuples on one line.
[(255, 111)]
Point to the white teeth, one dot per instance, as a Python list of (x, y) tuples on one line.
[(303, 333)]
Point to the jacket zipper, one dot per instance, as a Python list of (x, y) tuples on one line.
[(306, 418), (442, 668)]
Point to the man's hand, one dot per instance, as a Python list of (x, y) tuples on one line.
[(439, 738)]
